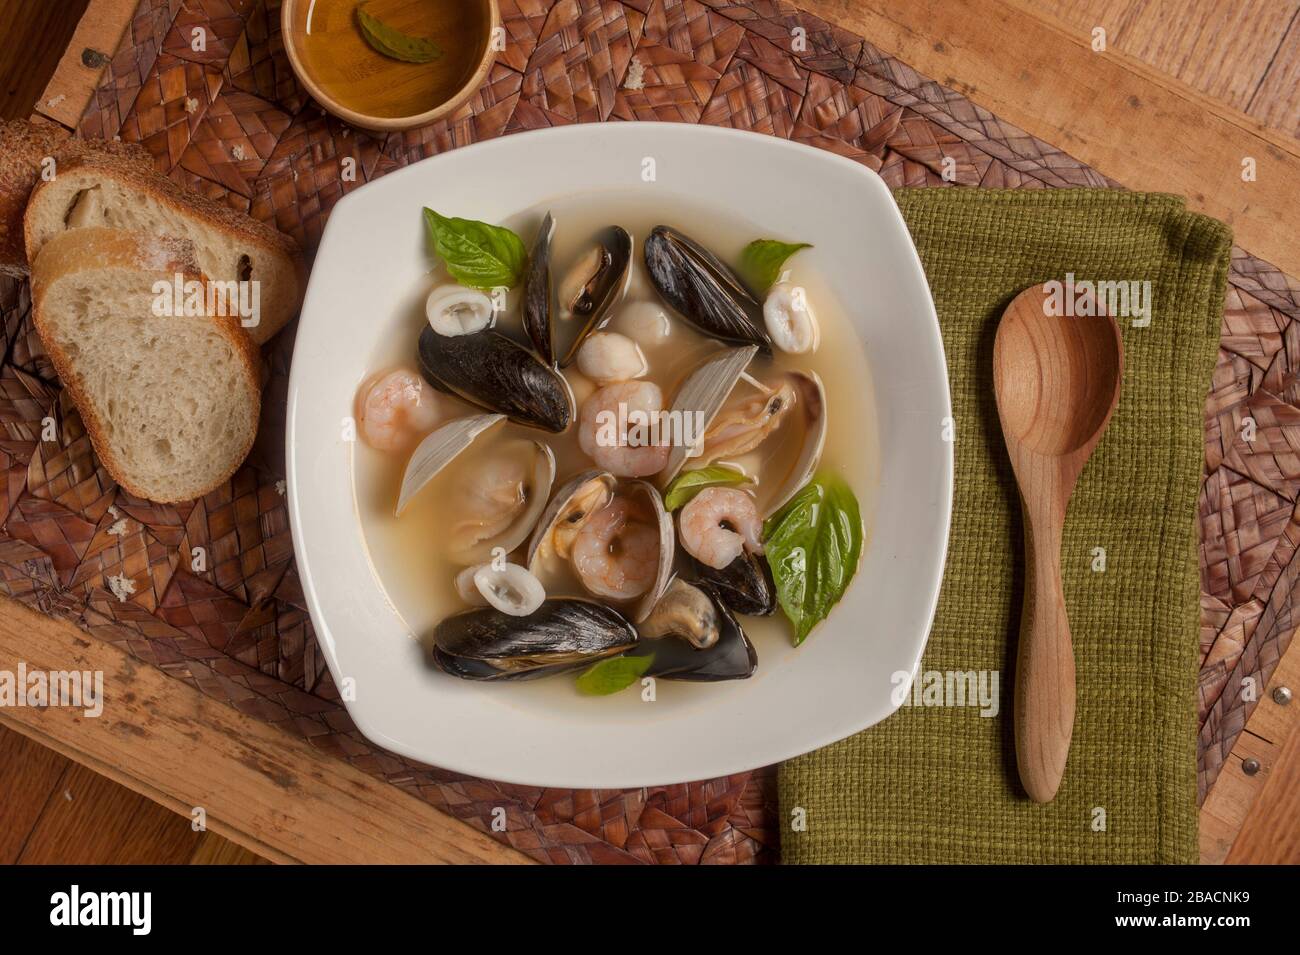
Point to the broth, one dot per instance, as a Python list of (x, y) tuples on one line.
[(348, 69), (419, 581)]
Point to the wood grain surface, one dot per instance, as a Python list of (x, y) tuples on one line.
[(1115, 112), (272, 794)]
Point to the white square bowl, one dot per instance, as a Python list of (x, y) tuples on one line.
[(842, 680)]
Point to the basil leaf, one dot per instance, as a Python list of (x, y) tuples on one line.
[(813, 545), (475, 253), (392, 42), (761, 261), (614, 674), (689, 483)]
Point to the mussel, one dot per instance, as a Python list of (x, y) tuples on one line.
[(594, 285), (537, 293), (745, 585), (494, 372), (564, 633), (704, 290), (676, 653)]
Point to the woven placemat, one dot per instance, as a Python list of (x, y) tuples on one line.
[(233, 123)]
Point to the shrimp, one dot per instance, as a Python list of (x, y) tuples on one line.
[(616, 554), (619, 430), (395, 409), (718, 523)]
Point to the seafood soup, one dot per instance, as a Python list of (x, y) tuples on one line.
[(651, 456)]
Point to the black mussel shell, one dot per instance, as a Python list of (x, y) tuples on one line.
[(494, 372), (745, 585), (537, 293), (467, 668), (704, 290), (732, 658), (593, 308), (563, 633)]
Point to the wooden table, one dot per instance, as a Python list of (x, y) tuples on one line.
[(284, 800)]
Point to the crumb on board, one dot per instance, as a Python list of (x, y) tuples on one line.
[(635, 75), (279, 487), (238, 152), (191, 105), (121, 586), (118, 527), (54, 101)]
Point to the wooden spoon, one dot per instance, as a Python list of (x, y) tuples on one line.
[(1057, 381)]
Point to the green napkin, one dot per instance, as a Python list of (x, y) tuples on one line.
[(935, 784)]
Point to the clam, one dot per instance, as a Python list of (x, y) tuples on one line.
[(438, 449), (501, 504), (745, 585), (795, 400), (495, 373), (564, 633), (537, 293), (579, 498), (729, 657), (703, 393), (810, 415), (574, 505), (594, 285), (704, 290)]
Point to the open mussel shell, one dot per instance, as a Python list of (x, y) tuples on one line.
[(704, 290), (732, 657), (537, 293), (810, 416), (703, 393), (497, 374), (595, 285), (437, 450), (564, 633), (575, 501), (745, 585)]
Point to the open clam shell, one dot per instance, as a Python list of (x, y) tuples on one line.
[(704, 290), (704, 392), (443, 446), (575, 501), (667, 549), (810, 415), (438, 449)]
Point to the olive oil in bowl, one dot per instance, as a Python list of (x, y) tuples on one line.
[(349, 75)]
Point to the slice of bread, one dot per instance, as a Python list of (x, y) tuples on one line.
[(98, 189), (171, 403), (25, 148)]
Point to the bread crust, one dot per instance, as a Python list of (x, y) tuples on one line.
[(23, 147), (94, 248), (144, 178)]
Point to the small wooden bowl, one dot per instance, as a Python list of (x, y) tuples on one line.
[(345, 76)]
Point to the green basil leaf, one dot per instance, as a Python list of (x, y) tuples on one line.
[(813, 545), (761, 261), (475, 253), (392, 42), (689, 483), (614, 674)]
